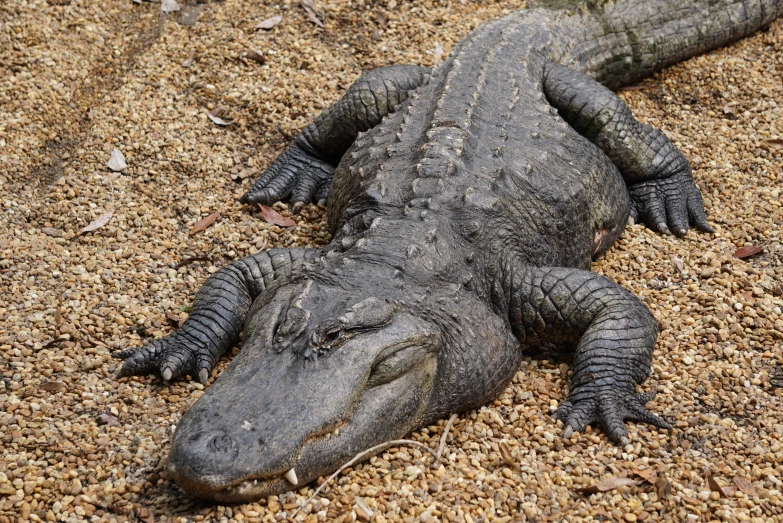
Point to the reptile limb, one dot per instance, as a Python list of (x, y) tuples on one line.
[(304, 171), (217, 318), (614, 334), (658, 175)]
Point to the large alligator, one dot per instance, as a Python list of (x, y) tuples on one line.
[(466, 204)]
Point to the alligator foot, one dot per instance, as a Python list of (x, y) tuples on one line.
[(675, 201), (295, 174), (171, 356), (608, 408)]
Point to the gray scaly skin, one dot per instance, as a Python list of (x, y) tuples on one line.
[(466, 205)]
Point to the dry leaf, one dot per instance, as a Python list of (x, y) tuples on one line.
[(269, 23), (663, 488), (117, 161), (383, 20), (649, 475), (58, 2), (508, 459), (104, 418), (610, 484), (174, 319), (363, 512), (745, 486), (256, 57), (53, 386), (215, 119), (748, 251), (146, 515), (205, 222), (311, 12), (189, 60), (774, 142), (438, 50), (50, 231), (725, 492), (102, 220), (678, 264), (243, 174), (169, 6), (274, 217)]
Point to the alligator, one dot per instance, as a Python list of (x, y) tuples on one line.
[(466, 203)]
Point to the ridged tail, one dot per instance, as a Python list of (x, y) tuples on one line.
[(621, 42)]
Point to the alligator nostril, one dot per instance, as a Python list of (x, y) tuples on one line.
[(224, 444)]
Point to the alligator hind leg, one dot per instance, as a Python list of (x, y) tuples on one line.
[(658, 175), (217, 318), (303, 172), (614, 335)]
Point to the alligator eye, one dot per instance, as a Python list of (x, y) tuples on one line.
[(331, 336)]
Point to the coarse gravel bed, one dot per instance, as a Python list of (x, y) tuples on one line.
[(79, 78)]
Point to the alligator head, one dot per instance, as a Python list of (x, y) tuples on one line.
[(323, 376)]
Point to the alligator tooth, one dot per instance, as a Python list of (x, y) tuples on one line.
[(336, 432), (291, 477)]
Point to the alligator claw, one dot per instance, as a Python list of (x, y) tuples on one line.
[(609, 409), (669, 205), (295, 175), (169, 356)]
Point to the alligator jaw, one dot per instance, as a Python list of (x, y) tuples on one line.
[(243, 492)]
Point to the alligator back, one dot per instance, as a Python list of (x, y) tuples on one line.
[(477, 151)]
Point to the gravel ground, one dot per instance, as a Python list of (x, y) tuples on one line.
[(79, 78)]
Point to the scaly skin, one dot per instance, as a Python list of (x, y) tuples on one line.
[(466, 204)]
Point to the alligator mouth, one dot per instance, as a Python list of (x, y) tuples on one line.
[(245, 491)]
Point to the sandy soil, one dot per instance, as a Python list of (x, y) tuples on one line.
[(79, 78)]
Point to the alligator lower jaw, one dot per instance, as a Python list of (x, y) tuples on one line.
[(244, 492)]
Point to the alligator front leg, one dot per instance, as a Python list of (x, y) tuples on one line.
[(658, 175), (614, 335), (217, 318), (304, 171)]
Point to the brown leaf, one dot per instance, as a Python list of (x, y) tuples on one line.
[(51, 231), (775, 142), (747, 251), (725, 492), (205, 222), (663, 488), (192, 259), (312, 12), (505, 453), (53, 386), (383, 20), (256, 57), (174, 319), (104, 418), (275, 218), (649, 475), (269, 23), (58, 2), (146, 515), (102, 220), (745, 486), (611, 483)]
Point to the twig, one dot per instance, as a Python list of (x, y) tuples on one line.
[(443, 440), (359, 457)]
